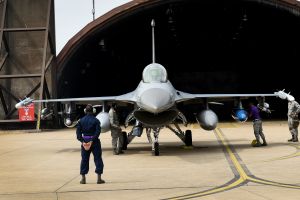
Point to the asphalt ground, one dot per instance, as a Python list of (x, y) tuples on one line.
[(221, 165)]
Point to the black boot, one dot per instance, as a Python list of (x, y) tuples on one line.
[(264, 142), (115, 151), (120, 151), (292, 139), (295, 139), (258, 144), (99, 180), (83, 180)]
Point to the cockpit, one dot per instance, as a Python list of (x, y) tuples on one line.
[(154, 72)]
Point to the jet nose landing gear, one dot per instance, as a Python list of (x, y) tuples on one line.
[(186, 137), (155, 144)]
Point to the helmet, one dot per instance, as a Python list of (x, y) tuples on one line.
[(114, 105), (89, 109)]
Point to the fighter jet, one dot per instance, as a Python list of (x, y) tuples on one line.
[(155, 103)]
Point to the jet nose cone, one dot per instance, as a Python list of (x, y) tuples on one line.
[(156, 100)]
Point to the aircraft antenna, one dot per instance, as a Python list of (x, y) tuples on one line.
[(93, 10), (153, 41)]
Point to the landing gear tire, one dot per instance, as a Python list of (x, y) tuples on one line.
[(125, 140), (188, 138), (156, 149)]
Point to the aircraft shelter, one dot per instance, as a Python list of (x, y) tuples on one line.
[(216, 46)]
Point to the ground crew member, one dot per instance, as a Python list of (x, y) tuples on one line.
[(254, 113), (116, 131), (88, 131), (293, 121)]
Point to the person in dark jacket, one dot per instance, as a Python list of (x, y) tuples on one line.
[(88, 131)]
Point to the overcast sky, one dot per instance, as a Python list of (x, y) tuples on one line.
[(72, 15)]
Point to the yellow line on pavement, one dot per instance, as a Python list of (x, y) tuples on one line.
[(297, 153), (286, 157), (236, 163), (212, 191), (243, 174), (242, 178), (265, 182)]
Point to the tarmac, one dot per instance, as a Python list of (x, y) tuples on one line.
[(221, 165)]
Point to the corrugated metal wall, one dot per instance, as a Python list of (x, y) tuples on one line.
[(27, 53)]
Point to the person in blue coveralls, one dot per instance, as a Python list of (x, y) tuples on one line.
[(88, 131)]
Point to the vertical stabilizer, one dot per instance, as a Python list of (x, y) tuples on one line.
[(153, 41)]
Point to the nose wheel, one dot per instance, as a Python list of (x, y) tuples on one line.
[(156, 149), (155, 144)]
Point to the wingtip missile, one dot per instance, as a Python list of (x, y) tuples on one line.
[(281, 94), (24, 102)]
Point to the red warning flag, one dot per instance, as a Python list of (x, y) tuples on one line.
[(26, 113)]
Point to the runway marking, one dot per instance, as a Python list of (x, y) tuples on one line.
[(57, 190), (242, 176), (297, 153)]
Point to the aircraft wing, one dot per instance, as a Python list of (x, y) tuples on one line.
[(126, 98), (129, 97), (183, 96)]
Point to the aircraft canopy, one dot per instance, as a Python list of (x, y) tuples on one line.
[(154, 72)]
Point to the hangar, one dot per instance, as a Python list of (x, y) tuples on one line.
[(218, 46)]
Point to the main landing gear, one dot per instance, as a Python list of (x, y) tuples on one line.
[(186, 137)]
